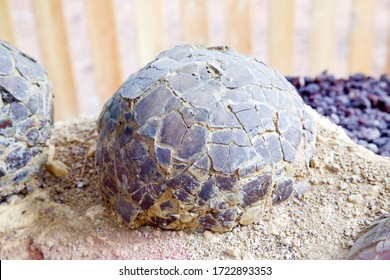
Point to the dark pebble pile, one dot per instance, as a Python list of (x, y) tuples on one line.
[(360, 104)]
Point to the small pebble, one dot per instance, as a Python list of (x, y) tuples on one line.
[(356, 199), (331, 181), (334, 167), (208, 235), (94, 212), (314, 181), (57, 168), (347, 244), (286, 241), (343, 186), (296, 243), (313, 163), (233, 252), (301, 187), (373, 191), (288, 256), (247, 256), (250, 215)]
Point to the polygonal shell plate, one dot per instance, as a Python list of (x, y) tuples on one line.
[(201, 138), (373, 242), (26, 117)]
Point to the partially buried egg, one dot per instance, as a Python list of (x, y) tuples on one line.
[(202, 138), (26, 118)]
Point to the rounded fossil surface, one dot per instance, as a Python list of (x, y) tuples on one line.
[(201, 138), (373, 242), (26, 117)]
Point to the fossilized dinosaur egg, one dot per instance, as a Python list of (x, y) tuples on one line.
[(26, 118), (201, 138)]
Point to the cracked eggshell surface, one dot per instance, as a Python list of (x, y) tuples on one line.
[(201, 138), (373, 243), (26, 117)]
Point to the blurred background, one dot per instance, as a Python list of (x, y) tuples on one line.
[(91, 46)]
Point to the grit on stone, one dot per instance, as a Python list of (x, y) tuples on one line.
[(63, 217)]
